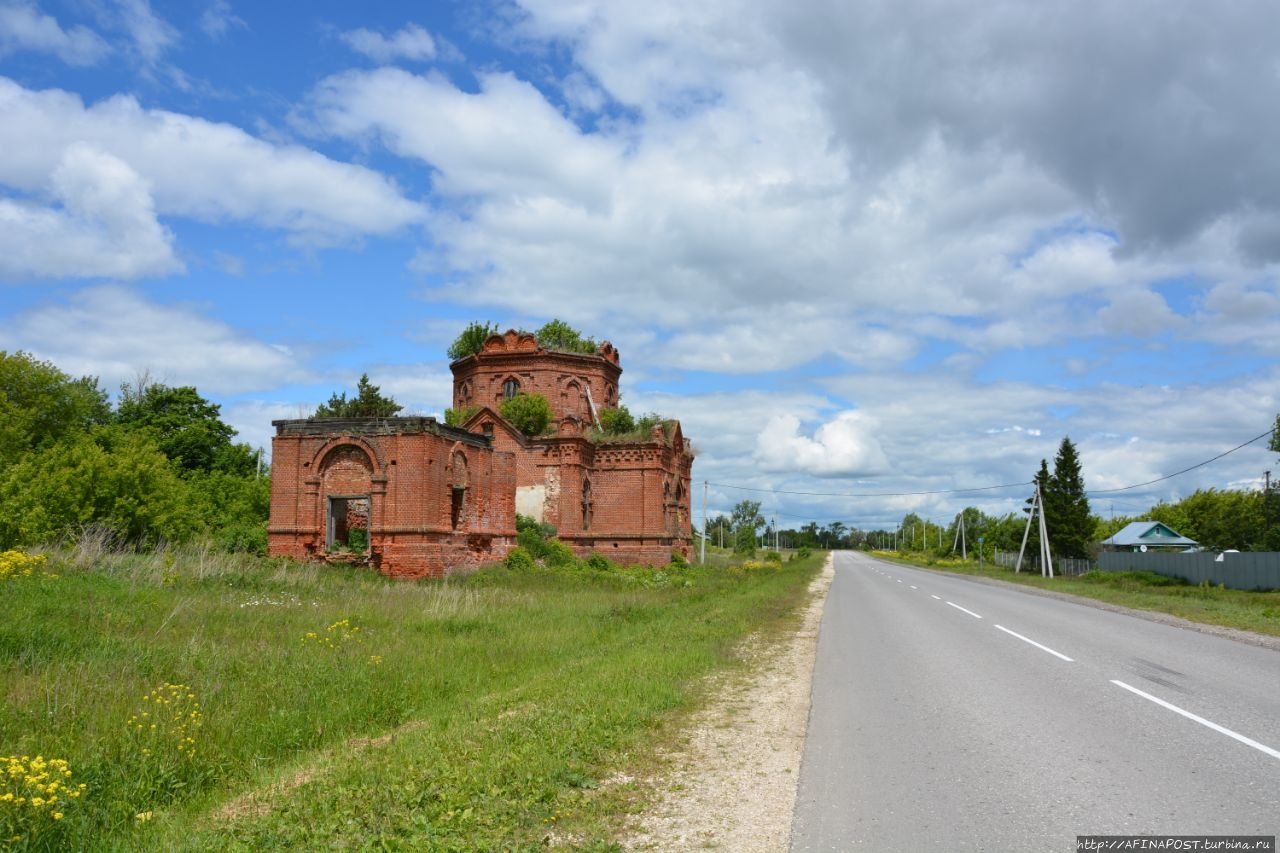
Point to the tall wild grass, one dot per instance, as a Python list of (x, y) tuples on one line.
[(200, 700)]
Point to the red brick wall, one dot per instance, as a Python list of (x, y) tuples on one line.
[(563, 378), (409, 477), (640, 491)]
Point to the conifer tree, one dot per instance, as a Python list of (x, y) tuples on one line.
[(1066, 505), (368, 403)]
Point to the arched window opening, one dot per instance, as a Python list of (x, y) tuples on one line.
[(510, 388), (586, 504), (458, 491)]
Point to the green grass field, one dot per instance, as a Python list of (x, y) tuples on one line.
[(1231, 608), (206, 702)]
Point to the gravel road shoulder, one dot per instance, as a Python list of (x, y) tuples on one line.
[(732, 784)]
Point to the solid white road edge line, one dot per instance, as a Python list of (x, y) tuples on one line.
[(958, 607), (1261, 747), (1034, 643)]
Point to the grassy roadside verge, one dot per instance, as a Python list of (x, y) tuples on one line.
[(207, 702), (1210, 605)]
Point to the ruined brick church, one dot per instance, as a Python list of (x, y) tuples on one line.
[(413, 497)]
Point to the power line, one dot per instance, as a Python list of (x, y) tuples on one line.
[(869, 494), (1184, 470), (988, 488)]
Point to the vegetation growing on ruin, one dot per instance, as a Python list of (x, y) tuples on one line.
[(459, 416), (559, 336), (529, 413), (471, 340), (619, 425), (555, 335)]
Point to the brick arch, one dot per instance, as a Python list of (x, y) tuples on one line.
[(459, 473), (345, 467), (573, 400), (377, 465)]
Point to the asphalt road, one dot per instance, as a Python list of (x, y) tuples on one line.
[(954, 715)]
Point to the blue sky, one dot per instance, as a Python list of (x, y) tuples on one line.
[(857, 248)]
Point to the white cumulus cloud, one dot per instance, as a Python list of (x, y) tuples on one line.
[(843, 447), (115, 333), (104, 224), (205, 170)]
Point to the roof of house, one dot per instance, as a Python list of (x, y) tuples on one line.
[(1148, 533)]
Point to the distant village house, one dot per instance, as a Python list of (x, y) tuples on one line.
[(1148, 536)]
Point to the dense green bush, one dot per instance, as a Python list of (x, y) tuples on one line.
[(519, 560), (111, 478), (459, 416), (617, 421), (540, 542), (529, 413)]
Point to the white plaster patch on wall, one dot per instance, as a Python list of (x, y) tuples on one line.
[(531, 501)]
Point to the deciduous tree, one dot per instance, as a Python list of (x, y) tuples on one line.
[(40, 405), (747, 521), (186, 427)]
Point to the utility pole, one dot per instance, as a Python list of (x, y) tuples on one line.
[(1037, 512), (964, 551), (703, 559), (1266, 511), (1046, 559)]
